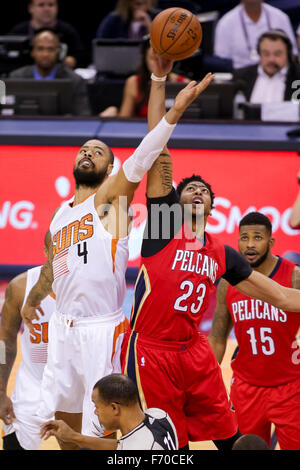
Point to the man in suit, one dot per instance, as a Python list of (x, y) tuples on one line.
[(272, 78), (47, 66)]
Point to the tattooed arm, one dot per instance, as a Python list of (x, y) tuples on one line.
[(10, 325), (40, 290), (296, 278), (160, 176), (222, 323)]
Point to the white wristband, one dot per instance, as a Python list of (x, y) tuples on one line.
[(158, 79)]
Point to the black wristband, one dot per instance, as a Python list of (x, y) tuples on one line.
[(298, 179)]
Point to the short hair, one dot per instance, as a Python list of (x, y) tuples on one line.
[(117, 388), (275, 35), (250, 442), (256, 218), (39, 31), (183, 183)]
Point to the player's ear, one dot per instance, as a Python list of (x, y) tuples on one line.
[(271, 242), (109, 169), (116, 409)]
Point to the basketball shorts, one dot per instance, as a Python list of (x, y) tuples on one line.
[(80, 352), (25, 399), (183, 379), (258, 407)]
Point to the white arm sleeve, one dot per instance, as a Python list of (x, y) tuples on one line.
[(136, 166)]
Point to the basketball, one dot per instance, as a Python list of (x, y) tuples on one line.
[(175, 33)]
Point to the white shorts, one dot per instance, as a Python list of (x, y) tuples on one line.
[(80, 352), (25, 399)]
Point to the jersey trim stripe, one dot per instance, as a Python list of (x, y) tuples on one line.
[(114, 243), (141, 292), (131, 368), (119, 330)]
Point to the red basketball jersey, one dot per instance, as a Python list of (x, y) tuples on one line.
[(173, 286), (268, 337)]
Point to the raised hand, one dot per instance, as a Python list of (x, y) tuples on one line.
[(161, 66), (30, 313), (188, 94), (6, 409)]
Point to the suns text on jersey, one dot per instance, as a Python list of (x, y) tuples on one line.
[(74, 232), (195, 262), (249, 309)]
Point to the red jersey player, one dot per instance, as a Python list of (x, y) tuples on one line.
[(266, 368), (171, 363)]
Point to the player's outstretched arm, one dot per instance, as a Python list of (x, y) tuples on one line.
[(135, 167), (222, 323), (64, 433), (294, 219), (160, 175), (264, 288), (10, 324)]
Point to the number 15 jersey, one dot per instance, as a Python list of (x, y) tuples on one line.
[(89, 264), (268, 338)]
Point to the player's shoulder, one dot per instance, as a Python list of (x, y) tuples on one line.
[(18, 282), (156, 413), (15, 290)]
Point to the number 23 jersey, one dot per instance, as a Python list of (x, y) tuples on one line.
[(89, 264), (176, 277)]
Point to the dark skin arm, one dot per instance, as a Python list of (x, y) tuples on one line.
[(296, 278), (64, 433), (10, 324), (39, 291), (222, 323)]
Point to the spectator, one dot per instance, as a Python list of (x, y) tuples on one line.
[(137, 87), (131, 19), (237, 32), (45, 52), (43, 16), (270, 80)]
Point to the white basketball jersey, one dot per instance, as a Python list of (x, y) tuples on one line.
[(89, 264), (34, 345)]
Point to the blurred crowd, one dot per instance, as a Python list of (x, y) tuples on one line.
[(252, 46)]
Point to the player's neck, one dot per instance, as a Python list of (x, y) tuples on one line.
[(132, 420), (268, 265), (82, 193), (253, 11)]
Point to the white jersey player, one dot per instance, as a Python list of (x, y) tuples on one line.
[(87, 270), (17, 411), (117, 406)]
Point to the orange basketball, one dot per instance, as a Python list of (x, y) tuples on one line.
[(175, 33)]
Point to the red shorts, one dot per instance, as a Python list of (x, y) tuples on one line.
[(258, 407), (183, 379)]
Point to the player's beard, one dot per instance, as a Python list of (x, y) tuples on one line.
[(260, 260), (90, 179)]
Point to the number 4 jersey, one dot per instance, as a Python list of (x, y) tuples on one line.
[(177, 274), (89, 264), (268, 337)]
